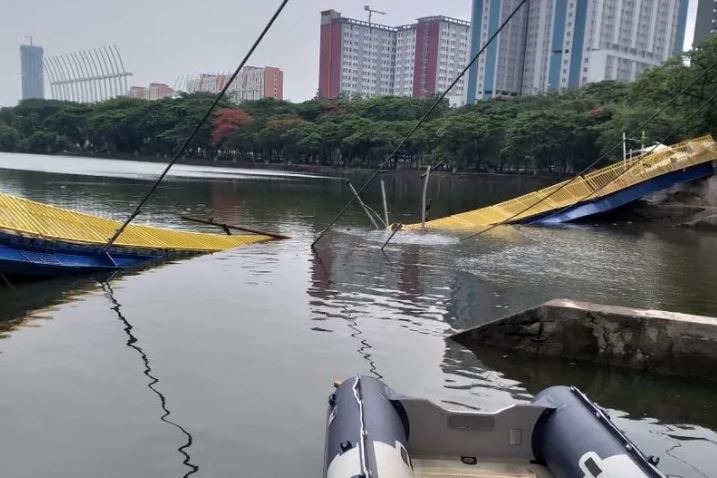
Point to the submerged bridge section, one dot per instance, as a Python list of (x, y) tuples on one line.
[(593, 193), (30, 219)]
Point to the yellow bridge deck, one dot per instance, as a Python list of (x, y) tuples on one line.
[(599, 183), (33, 219)]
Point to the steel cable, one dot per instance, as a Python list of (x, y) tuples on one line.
[(599, 159), (189, 139), (421, 120)]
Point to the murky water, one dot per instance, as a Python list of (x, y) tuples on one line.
[(221, 364)]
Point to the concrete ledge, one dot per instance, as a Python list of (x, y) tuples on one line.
[(654, 341)]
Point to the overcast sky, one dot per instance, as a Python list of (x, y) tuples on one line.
[(161, 40)]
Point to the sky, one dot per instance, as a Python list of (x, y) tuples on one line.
[(163, 40)]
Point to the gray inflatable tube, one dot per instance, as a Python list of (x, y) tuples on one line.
[(368, 436), (366, 432), (576, 439)]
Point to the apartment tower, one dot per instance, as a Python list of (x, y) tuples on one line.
[(32, 72), (559, 45), (421, 59)]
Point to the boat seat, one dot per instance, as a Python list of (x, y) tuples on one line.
[(454, 468)]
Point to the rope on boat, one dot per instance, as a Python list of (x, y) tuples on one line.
[(418, 124), (189, 139), (362, 432)]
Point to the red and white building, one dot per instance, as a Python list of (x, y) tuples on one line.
[(420, 59)]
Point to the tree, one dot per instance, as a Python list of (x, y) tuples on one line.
[(695, 111), (553, 133), (9, 138), (630, 119), (226, 123), (43, 142), (539, 139)]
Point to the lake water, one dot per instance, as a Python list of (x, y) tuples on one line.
[(221, 364)]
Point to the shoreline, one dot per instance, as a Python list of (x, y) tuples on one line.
[(335, 171)]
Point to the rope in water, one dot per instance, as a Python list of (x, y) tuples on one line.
[(201, 123), (421, 120)]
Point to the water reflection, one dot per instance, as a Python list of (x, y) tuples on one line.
[(132, 343), (277, 313), (430, 288), (658, 397), (19, 302), (320, 289)]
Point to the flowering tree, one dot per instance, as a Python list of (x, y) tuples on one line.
[(226, 123)]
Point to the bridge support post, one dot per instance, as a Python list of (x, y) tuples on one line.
[(423, 197)]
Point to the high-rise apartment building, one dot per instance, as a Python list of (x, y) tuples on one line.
[(356, 58), (420, 59), (499, 70), (441, 53), (252, 83), (273, 83), (706, 21), (557, 45), (31, 67)]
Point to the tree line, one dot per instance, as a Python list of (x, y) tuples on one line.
[(553, 133)]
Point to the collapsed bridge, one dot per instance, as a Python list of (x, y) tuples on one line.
[(594, 193)]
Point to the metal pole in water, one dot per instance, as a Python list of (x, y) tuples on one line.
[(423, 198), (363, 206), (385, 206), (642, 144), (227, 227), (624, 150), (397, 228)]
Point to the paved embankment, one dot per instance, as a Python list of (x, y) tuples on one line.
[(651, 340)]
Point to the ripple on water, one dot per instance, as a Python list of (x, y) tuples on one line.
[(224, 329)]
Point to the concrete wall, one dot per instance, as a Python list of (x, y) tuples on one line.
[(650, 340)]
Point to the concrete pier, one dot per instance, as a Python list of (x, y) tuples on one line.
[(653, 341)]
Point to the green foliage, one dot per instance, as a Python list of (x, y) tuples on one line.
[(549, 133), (43, 142), (9, 138)]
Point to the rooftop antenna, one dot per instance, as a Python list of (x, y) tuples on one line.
[(29, 38)]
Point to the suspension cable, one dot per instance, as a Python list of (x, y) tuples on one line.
[(201, 123), (598, 160), (421, 120)]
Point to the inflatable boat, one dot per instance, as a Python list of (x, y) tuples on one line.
[(374, 433)]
